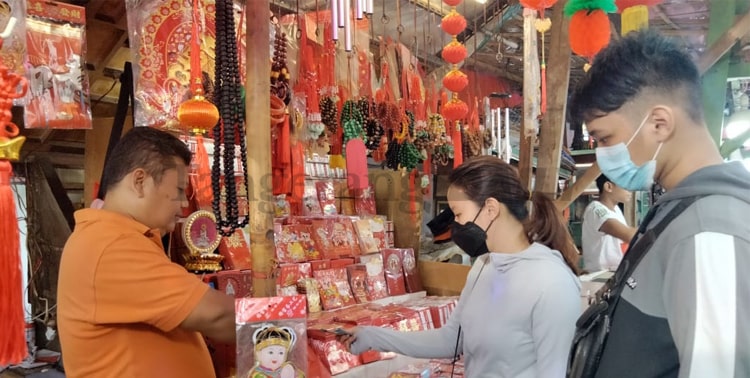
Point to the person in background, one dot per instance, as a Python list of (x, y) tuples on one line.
[(683, 311), (604, 228), (124, 309), (516, 314)]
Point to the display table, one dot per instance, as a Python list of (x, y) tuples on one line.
[(381, 369)]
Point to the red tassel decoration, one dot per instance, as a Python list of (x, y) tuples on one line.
[(12, 332), (202, 179)]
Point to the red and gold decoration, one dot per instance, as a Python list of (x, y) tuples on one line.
[(202, 238), (455, 81), (589, 30), (197, 114), (634, 14), (13, 345), (542, 25), (159, 31)]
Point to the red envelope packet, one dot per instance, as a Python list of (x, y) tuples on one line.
[(394, 271)]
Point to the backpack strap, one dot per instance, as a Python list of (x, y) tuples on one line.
[(638, 248)]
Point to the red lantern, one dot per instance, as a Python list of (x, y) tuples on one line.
[(453, 23), (198, 114), (452, 3), (454, 52), (538, 5), (588, 32), (455, 81), (625, 4), (454, 110)]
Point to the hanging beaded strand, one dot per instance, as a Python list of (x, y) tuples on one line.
[(228, 97)]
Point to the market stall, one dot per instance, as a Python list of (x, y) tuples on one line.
[(322, 134)]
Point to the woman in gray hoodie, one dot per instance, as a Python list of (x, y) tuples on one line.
[(517, 312)]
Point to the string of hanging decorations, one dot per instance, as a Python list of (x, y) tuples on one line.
[(455, 81)]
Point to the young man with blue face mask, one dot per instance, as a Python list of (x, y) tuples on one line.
[(682, 312)]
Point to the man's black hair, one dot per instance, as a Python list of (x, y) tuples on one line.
[(600, 181), (640, 60), (144, 147)]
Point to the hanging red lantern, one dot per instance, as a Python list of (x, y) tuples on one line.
[(625, 4), (589, 32), (453, 23), (198, 114), (455, 81), (454, 110), (454, 52), (452, 3), (538, 5)]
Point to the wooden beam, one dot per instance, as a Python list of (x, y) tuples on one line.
[(579, 186), (530, 98), (258, 119), (724, 43), (553, 123), (484, 37), (434, 6), (102, 63)]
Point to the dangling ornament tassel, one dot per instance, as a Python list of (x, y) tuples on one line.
[(12, 332)]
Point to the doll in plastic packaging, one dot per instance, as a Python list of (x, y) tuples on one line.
[(272, 347)]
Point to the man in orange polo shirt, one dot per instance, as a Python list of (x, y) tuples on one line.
[(124, 309)]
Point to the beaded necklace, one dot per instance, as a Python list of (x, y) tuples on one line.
[(352, 121), (228, 97)]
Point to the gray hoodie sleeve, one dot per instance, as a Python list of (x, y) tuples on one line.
[(438, 343), (706, 299), (553, 320)]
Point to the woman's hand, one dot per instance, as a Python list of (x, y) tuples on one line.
[(348, 338)]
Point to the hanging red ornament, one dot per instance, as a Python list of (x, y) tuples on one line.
[(454, 52), (455, 81), (197, 114), (538, 5), (452, 3), (453, 23), (589, 32), (625, 4), (455, 110)]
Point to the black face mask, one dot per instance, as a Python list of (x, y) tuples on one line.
[(470, 237)]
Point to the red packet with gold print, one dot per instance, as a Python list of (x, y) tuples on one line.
[(271, 336), (394, 271), (58, 84)]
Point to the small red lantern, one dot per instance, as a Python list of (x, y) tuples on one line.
[(589, 32), (453, 23), (454, 110), (538, 5), (625, 4), (198, 114), (454, 52), (453, 3), (455, 81)]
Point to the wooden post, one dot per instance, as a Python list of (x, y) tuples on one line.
[(258, 137), (531, 83), (553, 123)]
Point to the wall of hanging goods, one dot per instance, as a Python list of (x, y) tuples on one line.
[(370, 105)]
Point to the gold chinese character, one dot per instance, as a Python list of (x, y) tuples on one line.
[(75, 13), (65, 12), (235, 241)]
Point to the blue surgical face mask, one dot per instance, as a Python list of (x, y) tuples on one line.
[(616, 164)]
